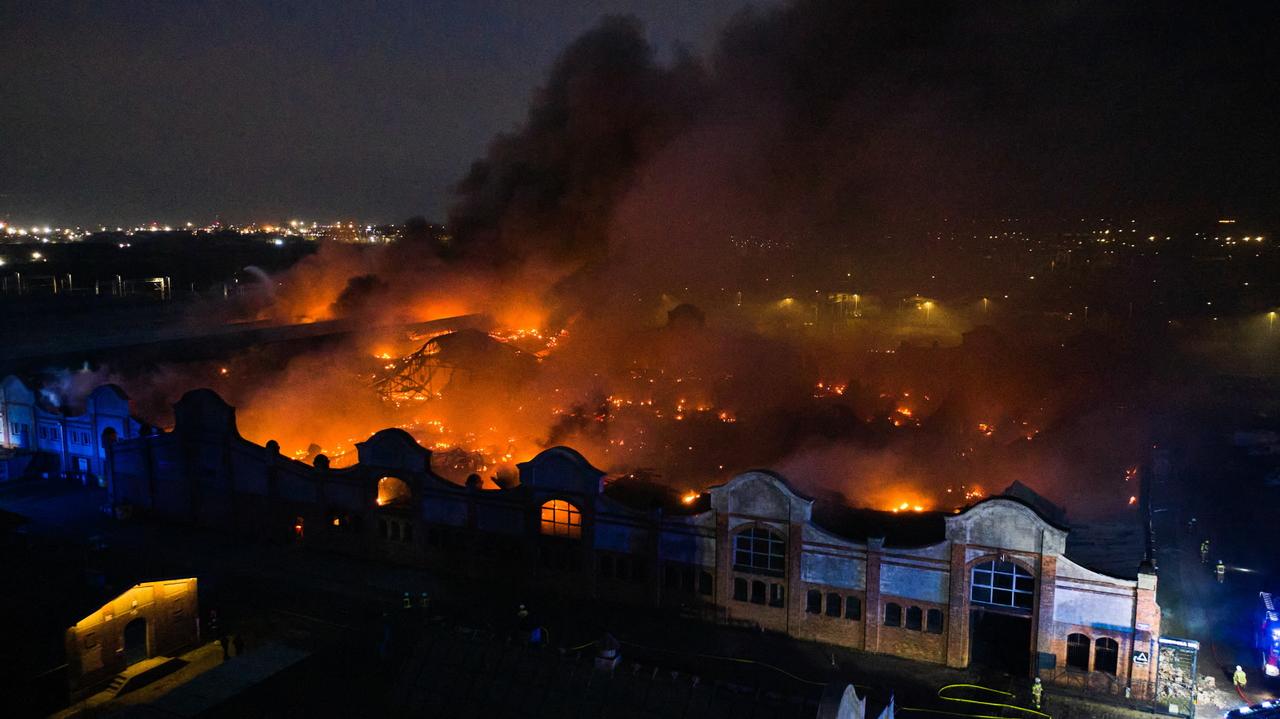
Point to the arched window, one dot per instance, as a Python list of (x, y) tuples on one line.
[(705, 582), (853, 608), (777, 595), (833, 604), (740, 589), (757, 592), (1002, 584), (1105, 655), (759, 551), (892, 615), (813, 603), (915, 618), (1078, 652), (561, 519), (393, 491), (933, 621)]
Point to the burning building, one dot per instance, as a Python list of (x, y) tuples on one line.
[(992, 583)]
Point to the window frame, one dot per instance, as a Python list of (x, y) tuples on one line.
[(834, 601), (763, 549), (1106, 655), (853, 608), (560, 518), (892, 614), (934, 621), (1074, 646), (914, 619), (993, 580)]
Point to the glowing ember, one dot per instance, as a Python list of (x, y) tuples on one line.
[(689, 497), (1132, 500)]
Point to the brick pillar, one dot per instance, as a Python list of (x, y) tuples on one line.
[(724, 565), (1045, 639), (1146, 631), (795, 587), (958, 609), (871, 613)]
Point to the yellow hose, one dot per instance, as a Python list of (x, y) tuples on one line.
[(1000, 705)]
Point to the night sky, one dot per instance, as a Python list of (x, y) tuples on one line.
[(122, 112), (268, 109)]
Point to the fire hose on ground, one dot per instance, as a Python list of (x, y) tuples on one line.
[(1002, 706)]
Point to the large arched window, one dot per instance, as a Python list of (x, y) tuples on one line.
[(1105, 655), (759, 551), (1002, 584), (561, 519), (393, 491), (1078, 652)]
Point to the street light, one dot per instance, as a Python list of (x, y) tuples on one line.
[(928, 307), (1271, 320)]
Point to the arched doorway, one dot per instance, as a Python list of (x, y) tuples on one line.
[(1001, 598), (135, 641)]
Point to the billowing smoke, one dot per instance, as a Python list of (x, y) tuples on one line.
[(818, 146)]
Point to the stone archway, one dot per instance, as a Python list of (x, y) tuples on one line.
[(135, 641)]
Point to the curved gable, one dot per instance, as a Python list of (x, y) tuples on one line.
[(109, 399), (1006, 524), (15, 390), (561, 469), (763, 495), (393, 449), (202, 410)]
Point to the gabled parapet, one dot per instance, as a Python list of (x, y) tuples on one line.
[(762, 495), (561, 469), (203, 411), (394, 450), (1008, 524)]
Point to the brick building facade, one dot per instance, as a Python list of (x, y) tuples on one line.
[(44, 439), (989, 584)]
